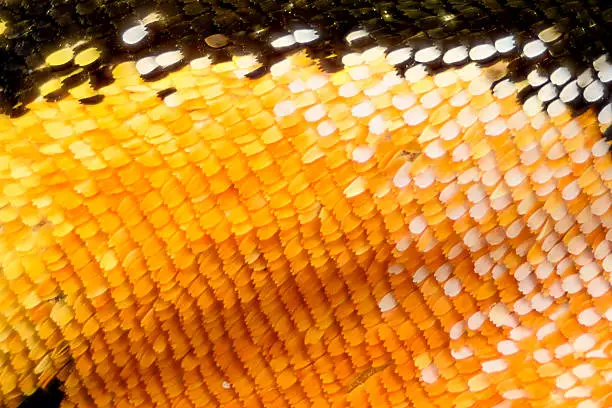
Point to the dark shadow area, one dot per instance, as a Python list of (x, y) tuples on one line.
[(51, 397)]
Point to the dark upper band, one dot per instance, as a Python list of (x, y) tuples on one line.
[(37, 28)]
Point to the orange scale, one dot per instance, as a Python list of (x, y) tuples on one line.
[(601, 164), (448, 92), (491, 332), (590, 124), (468, 366), (312, 242), (435, 336), (423, 86), (587, 177), (386, 154), (449, 319), (446, 166), (198, 153), (560, 120), (574, 144), (382, 101), (289, 122), (335, 347), (456, 385), (602, 303), (488, 222), (596, 188), (328, 380), (445, 400), (427, 242), (401, 357), (405, 198), (261, 120), (590, 171), (305, 99), (413, 303), (249, 107), (569, 327), (406, 372), (262, 218), (508, 295), (304, 200), (594, 383), (392, 384), (242, 134), (180, 124), (577, 205), (326, 94), (376, 392), (221, 105), (21, 285), (464, 304), (547, 370), (343, 369), (237, 215), (397, 398), (593, 185), (603, 366), (435, 390), (580, 301), (344, 313), (160, 218), (72, 285), (388, 336), (507, 157), (486, 293), (418, 397), (464, 266), (163, 112), (367, 211), (183, 215), (463, 224), (442, 307), (404, 137), (480, 344), (377, 353), (340, 112), (424, 321), (565, 363), (534, 319), (512, 261), (371, 319), (47, 331), (563, 182), (429, 197), (508, 107), (357, 398), (273, 97)]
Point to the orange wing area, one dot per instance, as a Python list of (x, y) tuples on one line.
[(305, 240)]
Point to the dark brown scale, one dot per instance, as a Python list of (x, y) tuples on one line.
[(92, 100)]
